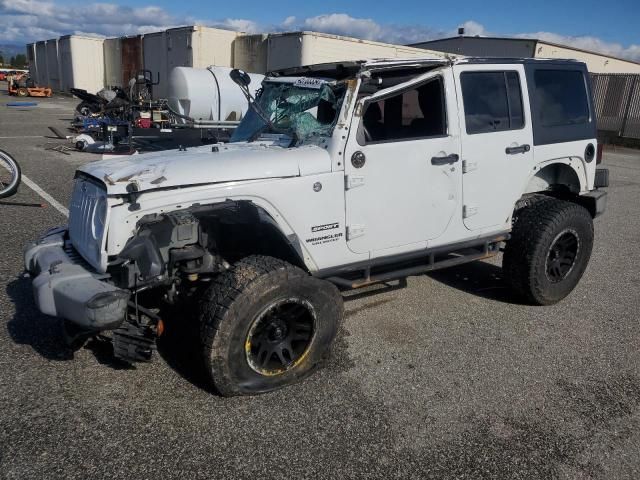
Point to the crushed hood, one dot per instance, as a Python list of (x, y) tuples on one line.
[(201, 165)]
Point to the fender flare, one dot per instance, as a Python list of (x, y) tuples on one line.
[(536, 180)]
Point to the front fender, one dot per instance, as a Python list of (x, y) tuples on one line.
[(295, 206)]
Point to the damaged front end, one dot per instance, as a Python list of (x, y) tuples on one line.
[(170, 257)]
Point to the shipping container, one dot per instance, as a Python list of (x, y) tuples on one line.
[(250, 53), (81, 62), (132, 60), (155, 60), (31, 59), (112, 50), (41, 64), (194, 46), (285, 50), (53, 65)]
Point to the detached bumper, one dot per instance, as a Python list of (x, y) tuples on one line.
[(65, 286)]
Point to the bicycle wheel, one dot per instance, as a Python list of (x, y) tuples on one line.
[(9, 175)]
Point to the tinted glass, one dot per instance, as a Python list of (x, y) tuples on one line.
[(561, 97), (414, 113), (486, 108), (515, 99)]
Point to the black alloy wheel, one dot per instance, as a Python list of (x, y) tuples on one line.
[(562, 255), (280, 337)]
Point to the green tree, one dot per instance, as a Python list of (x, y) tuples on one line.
[(20, 61), (1, 60), (12, 61)]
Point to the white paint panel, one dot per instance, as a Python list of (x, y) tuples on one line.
[(493, 182), (212, 46), (403, 200)]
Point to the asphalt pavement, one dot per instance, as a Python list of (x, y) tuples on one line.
[(448, 377)]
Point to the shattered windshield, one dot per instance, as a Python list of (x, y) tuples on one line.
[(301, 108)]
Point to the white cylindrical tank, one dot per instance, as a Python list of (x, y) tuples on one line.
[(208, 94)]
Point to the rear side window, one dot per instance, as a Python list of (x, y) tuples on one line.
[(492, 101), (561, 97)]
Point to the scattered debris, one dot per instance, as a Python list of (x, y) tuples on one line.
[(22, 104)]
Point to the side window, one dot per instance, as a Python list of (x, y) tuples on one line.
[(411, 114), (492, 101), (561, 97)]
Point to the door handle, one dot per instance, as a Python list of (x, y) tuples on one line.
[(453, 158), (521, 149)]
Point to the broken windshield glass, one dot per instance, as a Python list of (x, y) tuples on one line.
[(301, 109)]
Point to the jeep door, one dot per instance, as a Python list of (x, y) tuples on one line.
[(401, 164), (497, 141)]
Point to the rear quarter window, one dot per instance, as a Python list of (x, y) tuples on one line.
[(562, 97), (561, 102)]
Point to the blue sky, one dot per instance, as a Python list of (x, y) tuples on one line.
[(611, 27)]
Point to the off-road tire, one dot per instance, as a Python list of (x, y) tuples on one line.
[(22, 92), (536, 228), (235, 300)]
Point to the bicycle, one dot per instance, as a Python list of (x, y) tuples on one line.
[(10, 175)]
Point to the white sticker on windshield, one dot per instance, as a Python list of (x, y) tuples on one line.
[(309, 83)]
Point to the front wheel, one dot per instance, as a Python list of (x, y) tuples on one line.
[(548, 251), (10, 175), (266, 324)]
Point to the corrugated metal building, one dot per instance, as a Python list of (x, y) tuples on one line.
[(53, 65), (262, 53), (529, 48), (132, 60), (155, 60), (42, 77), (112, 48), (31, 60)]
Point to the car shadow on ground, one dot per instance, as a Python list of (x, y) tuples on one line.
[(180, 346), (30, 327), (480, 279)]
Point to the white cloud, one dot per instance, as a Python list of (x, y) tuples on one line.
[(472, 28), (343, 24), (31, 20)]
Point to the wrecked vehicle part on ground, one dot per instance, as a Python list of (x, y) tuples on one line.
[(345, 175)]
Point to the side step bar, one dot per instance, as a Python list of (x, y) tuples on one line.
[(433, 261)]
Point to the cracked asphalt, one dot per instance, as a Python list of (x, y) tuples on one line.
[(447, 377)]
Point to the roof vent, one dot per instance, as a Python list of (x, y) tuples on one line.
[(460, 30)]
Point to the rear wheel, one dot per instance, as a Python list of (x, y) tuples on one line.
[(266, 324), (10, 175), (549, 250)]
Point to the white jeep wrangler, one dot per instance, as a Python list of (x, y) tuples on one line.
[(341, 175)]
